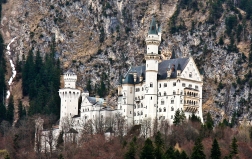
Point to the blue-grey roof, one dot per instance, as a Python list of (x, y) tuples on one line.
[(153, 27), (69, 72), (94, 100), (162, 70)]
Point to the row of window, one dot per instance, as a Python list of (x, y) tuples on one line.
[(191, 94), (165, 85), (191, 102)]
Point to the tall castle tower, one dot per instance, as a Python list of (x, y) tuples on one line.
[(69, 96), (152, 57)]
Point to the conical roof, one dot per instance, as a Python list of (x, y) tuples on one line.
[(173, 56), (153, 27)]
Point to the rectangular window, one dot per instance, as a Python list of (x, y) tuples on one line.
[(174, 93), (130, 89), (165, 84), (171, 116), (162, 102), (197, 87), (130, 112), (172, 101), (183, 84), (174, 83), (190, 86), (181, 101), (159, 85)]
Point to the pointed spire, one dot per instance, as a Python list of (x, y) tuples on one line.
[(153, 26), (173, 56)]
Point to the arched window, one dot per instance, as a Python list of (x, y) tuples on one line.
[(162, 101), (190, 74), (172, 101)]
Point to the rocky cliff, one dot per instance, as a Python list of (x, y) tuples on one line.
[(96, 36)]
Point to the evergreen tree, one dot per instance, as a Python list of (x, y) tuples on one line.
[(177, 118), (148, 150), (198, 150), (7, 156), (215, 151), (60, 140), (21, 110), (234, 147), (2, 71), (221, 41), (176, 154), (194, 118), (209, 122), (131, 153), (2, 112), (10, 110), (169, 154), (60, 156), (183, 155), (89, 86), (159, 146), (182, 116)]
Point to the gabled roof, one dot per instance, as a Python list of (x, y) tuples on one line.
[(72, 131), (162, 70)]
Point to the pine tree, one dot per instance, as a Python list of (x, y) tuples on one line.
[(21, 110), (159, 146), (148, 150), (2, 112), (198, 150), (182, 116), (131, 153), (234, 147), (209, 122), (183, 155), (60, 140), (10, 110), (169, 154), (215, 151), (177, 118), (194, 118)]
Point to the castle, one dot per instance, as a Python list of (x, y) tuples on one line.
[(152, 91), (155, 90)]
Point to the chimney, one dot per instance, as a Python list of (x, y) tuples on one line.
[(169, 71), (97, 98), (141, 78), (135, 76)]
